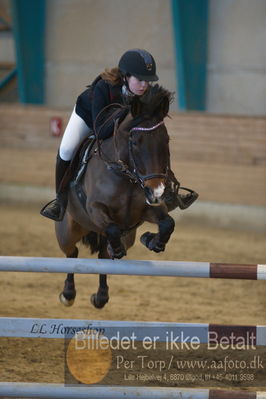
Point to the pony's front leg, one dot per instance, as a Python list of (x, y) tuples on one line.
[(115, 246), (102, 219), (156, 241)]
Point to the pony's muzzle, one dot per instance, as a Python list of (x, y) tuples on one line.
[(154, 192)]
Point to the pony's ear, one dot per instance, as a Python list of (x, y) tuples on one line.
[(135, 106)]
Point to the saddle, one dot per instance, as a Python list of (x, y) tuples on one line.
[(78, 167), (78, 163), (82, 158)]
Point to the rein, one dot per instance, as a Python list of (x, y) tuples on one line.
[(111, 117)]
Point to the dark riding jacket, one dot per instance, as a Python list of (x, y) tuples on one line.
[(94, 99)]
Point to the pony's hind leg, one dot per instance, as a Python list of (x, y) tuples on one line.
[(101, 297), (68, 295), (68, 233)]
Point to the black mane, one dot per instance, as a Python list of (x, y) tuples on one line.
[(155, 101)]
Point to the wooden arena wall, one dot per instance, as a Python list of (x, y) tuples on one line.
[(222, 157)]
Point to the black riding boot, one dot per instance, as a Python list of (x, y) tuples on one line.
[(55, 209), (173, 199)]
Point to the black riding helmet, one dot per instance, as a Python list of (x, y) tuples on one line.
[(139, 63)]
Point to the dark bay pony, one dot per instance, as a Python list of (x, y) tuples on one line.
[(123, 187)]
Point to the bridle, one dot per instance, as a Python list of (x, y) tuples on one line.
[(142, 178), (120, 166)]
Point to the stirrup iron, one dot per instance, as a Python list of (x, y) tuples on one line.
[(186, 200)]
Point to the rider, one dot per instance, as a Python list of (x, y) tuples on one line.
[(132, 77)]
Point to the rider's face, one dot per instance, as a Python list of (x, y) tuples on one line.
[(136, 86)]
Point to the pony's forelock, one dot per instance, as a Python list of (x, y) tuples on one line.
[(156, 100)]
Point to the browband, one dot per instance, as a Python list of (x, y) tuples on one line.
[(146, 129)]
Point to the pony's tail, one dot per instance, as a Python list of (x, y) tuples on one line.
[(92, 240)]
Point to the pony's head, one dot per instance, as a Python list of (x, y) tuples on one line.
[(149, 141)]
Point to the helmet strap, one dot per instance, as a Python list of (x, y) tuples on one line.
[(126, 85), (126, 92)]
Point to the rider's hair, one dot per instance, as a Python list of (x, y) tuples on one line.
[(112, 76)]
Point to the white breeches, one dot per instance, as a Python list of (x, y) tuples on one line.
[(75, 133)]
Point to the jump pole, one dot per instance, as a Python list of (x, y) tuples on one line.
[(63, 328), (60, 391), (130, 267)]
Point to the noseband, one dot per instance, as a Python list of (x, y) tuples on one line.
[(142, 178)]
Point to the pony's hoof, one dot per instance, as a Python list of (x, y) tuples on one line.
[(117, 253), (146, 238), (98, 304), (150, 240), (65, 301)]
